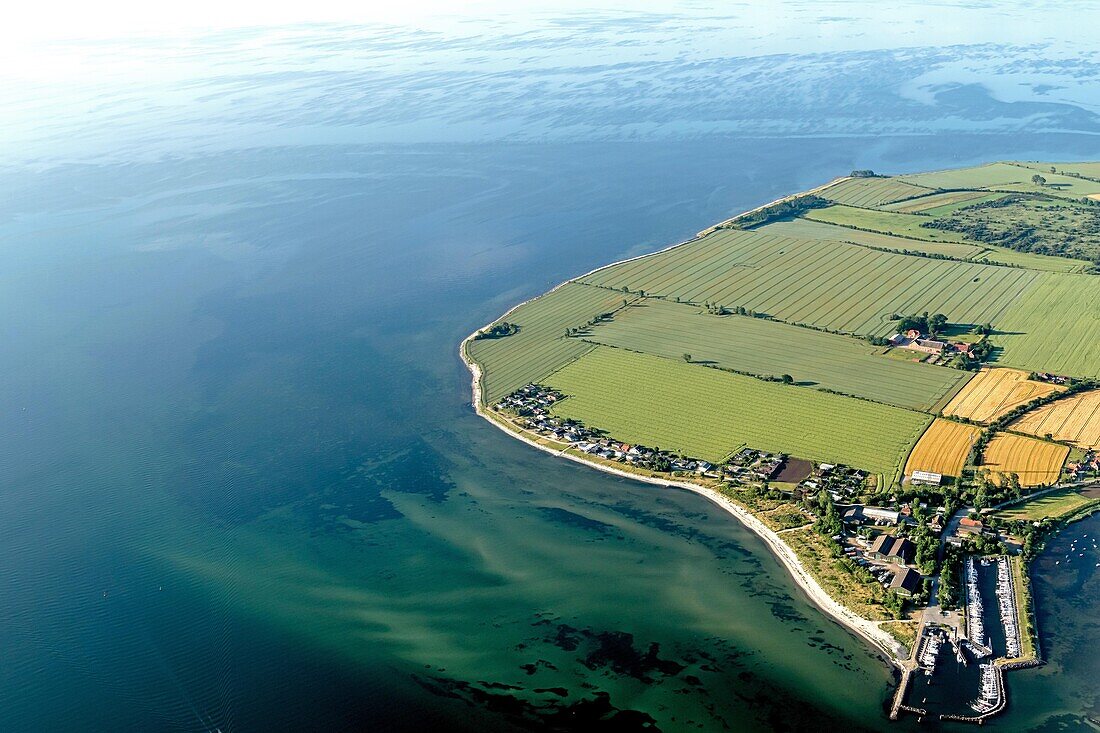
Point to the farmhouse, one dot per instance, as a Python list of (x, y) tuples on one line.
[(859, 514), (926, 478), (970, 526), (906, 582), (892, 549)]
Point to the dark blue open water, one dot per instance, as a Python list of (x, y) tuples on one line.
[(241, 485)]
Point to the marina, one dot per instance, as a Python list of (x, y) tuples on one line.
[(960, 669)]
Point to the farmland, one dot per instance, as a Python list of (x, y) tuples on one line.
[(887, 222), (1030, 224), (1054, 505), (807, 229), (1074, 419), (1035, 461), (871, 192), (943, 448), (822, 283), (1005, 177), (941, 203), (709, 413), (1054, 326), (539, 348), (994, 392), (841, 269), (766, 348)]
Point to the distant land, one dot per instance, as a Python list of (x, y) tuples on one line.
[(893, 380)]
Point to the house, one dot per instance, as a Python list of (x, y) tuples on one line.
[(970, 526), (926, 478), (880, 516), (892, 549), (931, 344), (895, 339), (962, 348), (912, 334), (906, 583)]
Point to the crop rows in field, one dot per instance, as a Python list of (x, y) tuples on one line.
[(708, 413), (822, 283), (943, 448), (766, 348), (1031, 261), (887, 222), (540, 347), (1034, 461), (871, 192), (994, 392), (1007, 177), (806, 229), (1074, 419), (1054, 326), (941, 203)]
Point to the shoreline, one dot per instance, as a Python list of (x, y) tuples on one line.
[(868, 630), (881, 641)]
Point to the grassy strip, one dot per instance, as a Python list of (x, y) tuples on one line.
[(1054, 505), (904, 631), (1025, 610), (831, 574)]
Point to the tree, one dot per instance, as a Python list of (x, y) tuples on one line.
[(687, 358), (787, 379), (1038, 180)]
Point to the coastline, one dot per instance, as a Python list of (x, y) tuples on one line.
[(868, 630), (881, 641)]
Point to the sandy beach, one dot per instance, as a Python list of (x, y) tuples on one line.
[(865, 628)]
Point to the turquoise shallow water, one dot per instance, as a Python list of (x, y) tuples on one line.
[(242, 485)]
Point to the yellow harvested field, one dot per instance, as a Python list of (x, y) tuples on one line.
[(943, 448), (1034, 461), (993, 392), (1073, 419)]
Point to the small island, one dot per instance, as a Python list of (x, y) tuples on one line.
[(893, 380)]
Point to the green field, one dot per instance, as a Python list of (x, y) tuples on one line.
[(887, 222), (941, 203), (627, 375), (806, 229), (1007, 177), (1054, 326), (1045, 263), (1088, 170), (1055, 504), (871, 192), (766, 348), (709, 413), (1033, 224), (513, 361), (822, 283)]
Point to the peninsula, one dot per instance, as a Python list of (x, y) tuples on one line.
[(893, 380)]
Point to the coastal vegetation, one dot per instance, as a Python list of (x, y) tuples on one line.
[(855, 372)]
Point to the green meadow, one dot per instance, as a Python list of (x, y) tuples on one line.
[(708, 413), (766, 348), (819, 285)]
